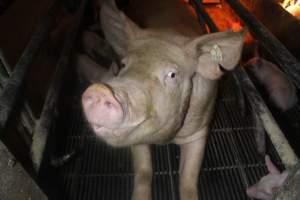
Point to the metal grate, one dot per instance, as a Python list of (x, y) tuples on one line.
[(102, 172)]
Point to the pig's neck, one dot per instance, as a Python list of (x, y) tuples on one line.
[(176, 15), (200, 110)]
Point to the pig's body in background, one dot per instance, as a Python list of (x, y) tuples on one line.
[(165, 91), (98, 60), (280, 89), (97, 48), (91, 71)]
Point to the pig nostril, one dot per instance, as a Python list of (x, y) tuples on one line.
[(90, 98), (87, 98), (108, 104), (100, 106)]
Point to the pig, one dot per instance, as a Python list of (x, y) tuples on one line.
[(280, 89), (269, 184), (98, 49), (166, 90), (90, 71), (92, 65), (259, 135)]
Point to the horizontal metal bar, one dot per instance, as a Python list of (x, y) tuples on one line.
[(44, 124), (12, 89), (288, 63)]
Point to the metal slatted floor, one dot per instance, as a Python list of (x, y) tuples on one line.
[(102, 172)]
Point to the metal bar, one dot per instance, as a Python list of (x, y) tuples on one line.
[(5, 64), (201, 11), (3, 74), (12, 90), (278, 51), (45, 122), (27, 117), (281, 144)]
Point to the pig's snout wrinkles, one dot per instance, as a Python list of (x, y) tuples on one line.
[(101, 108)]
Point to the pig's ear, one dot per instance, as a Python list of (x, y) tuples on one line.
[(117, 27), (216, 53), (271, 167), (283, 176)]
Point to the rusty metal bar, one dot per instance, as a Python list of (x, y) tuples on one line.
[(12, 89), (288, 63), (45, 122)]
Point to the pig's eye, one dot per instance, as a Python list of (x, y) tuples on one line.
[(171, 75), (171, 78)]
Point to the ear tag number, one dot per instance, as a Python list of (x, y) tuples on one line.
[(216, 53)]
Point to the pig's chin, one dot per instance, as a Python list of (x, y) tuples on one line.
[(105, 133), (117, 136)]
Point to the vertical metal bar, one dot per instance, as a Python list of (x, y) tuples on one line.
[(170, 173)]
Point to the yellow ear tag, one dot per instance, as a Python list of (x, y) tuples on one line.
[(216, 53)]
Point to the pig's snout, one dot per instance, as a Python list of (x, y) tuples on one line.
[(102, 109)]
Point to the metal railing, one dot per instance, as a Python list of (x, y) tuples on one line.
[(13, 86)]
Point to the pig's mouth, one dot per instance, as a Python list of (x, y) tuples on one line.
[(118, 132)]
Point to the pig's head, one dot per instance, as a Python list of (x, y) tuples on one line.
[(148, 100)]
